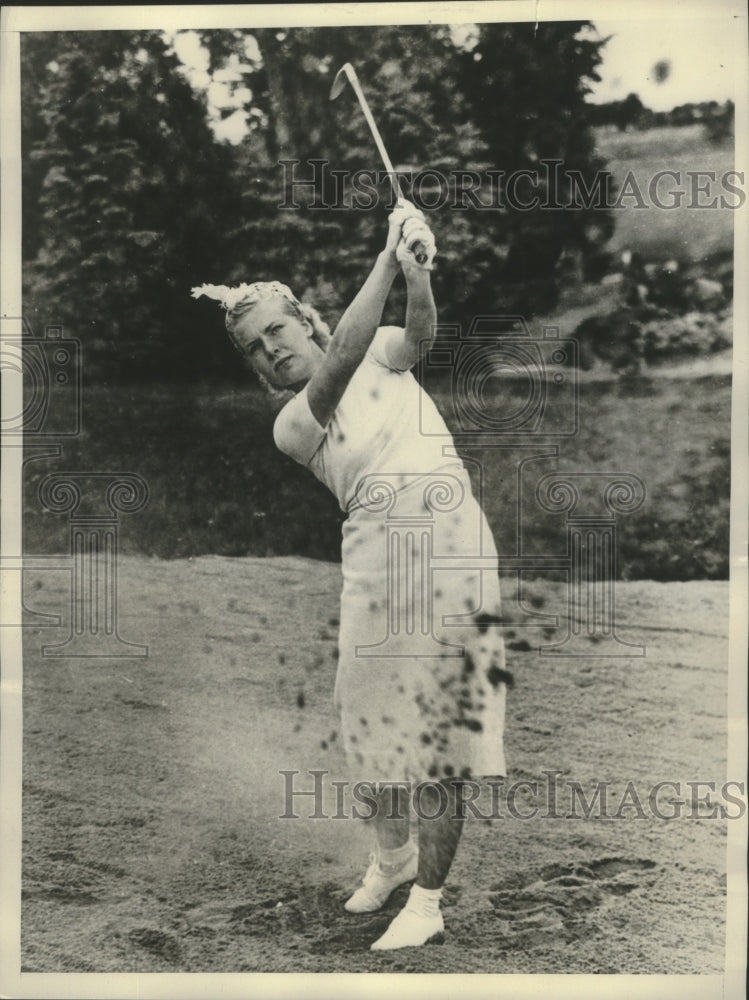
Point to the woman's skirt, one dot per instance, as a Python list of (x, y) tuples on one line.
[(421, 676)]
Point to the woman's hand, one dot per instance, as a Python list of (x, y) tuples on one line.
[(415, 231), (421, 314), (403, 212)]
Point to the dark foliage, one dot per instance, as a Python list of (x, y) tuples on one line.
[(129, 199), (126, 196)]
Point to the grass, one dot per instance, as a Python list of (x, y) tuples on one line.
[(218, 485), (687, 232)]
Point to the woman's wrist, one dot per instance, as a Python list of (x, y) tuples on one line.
[(417, 278), (387, 257)]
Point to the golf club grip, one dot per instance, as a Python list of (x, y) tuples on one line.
[(419, 251)]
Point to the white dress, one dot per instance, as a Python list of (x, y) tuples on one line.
[(421, 676)]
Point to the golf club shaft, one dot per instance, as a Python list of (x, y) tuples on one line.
[(417, 247)]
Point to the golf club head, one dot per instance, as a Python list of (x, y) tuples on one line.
[(344, 73)]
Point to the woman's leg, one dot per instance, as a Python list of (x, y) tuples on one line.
[(440, 826), (392, 821), (395, 859), (438, 836)]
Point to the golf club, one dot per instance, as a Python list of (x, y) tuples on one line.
[(347, 72)]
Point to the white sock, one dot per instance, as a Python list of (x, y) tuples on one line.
[(425, 902), (395, 857)]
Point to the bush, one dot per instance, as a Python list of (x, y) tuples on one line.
[(682, 336)]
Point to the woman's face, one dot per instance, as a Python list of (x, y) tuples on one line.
[(278, 343)]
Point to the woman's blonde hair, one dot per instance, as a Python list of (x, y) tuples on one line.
[(240, 300), (302, 311)]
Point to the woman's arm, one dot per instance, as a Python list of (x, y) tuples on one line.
[(421, 314), (421, 318), (358, 325)]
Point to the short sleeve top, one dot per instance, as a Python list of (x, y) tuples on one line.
[(384, 423)]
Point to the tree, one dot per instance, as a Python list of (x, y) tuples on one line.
[(504, 102), (526, 87), (318, 248), (129, 199), (125, 196)]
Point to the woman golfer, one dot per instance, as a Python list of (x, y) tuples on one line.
[(421, 677)]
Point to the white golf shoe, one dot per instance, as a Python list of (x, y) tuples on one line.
[(409, 930), (377, 884)]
